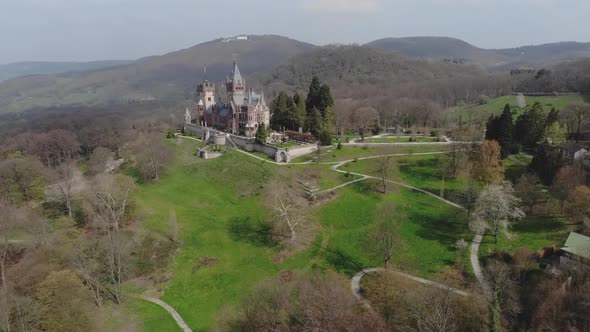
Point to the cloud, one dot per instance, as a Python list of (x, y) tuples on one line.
[(341, 6)]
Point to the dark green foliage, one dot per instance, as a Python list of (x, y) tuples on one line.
[(530, 126), (499, 128), (314, 122), (339, 146), (261, 134), (325, 137), (280, 111), (313, 94), (546, 162), (552, 117)]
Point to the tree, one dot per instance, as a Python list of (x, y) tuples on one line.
[(314, 122), (503, 293), (578, 200), (23, 178), (261, 134), (546, 162), (65, 187), (487, 166), (108, 205), (386, 167), (566, 180), (299, 113), (554, 134), (366, 118), (60, 303), (495, 209), (530, 126), (152, 155), (288, 209), (280, 111), (528, 190), (468, 197), (313, 95), (385, 236), (575, 115), (505, 128), (97, 162)]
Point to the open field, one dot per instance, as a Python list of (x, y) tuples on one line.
[(480, 113), (219, 209), (533, 232)]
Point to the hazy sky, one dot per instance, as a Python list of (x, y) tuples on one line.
[(128, 29)]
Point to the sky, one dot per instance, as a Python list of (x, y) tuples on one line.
[(86, 30)]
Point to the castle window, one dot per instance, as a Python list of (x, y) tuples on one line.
[(209, 99)]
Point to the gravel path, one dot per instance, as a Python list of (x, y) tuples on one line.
[(183, 326)]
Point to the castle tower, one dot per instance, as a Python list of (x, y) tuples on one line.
[(236, 86), (206, 94), (187, 117)]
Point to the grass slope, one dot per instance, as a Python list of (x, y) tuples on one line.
[(218, 206), (480, 113)]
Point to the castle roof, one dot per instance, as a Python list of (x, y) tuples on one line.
[(200, 103), (236, 75), (187, 113)]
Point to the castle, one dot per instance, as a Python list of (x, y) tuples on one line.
[(242, 112)]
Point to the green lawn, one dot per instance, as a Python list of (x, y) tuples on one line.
[(350, 152), (218, 206), (480, 113), (422, 171), (401, 139), (533, 232), (153, 317), (429, 230)]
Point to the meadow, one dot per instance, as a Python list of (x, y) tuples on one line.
[(225, 244)]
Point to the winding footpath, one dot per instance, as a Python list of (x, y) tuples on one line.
[(183, 326)]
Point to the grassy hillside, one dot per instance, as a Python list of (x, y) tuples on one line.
[(218, 206), (171, 76), (480, 113)]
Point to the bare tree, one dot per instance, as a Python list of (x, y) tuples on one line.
[(288, 207), (386, 167), (64, 188), (503, 297), (495, 209), (385, 236), (468, 197), (108, 204), (22, 177), (152, 155), (575, 115), (88, 265), (566, 180), (365, 117)]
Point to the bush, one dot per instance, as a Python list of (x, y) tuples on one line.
[(325, 138), (339, 146)]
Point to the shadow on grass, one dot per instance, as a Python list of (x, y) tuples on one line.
[(343, 262), (256, 232)]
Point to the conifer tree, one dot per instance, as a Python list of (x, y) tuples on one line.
[(505, 127), (261, 134)]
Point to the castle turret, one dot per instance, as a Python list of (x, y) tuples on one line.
[(206, 93), (187, 117), (236, 86)]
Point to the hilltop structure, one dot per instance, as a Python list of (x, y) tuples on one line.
[(242, 111)]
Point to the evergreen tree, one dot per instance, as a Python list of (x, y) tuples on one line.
[(505, 127), (530, 126), (261, 134), (300, 112), (315, 122), (325, 99), (329, 120), (313, 96), (492, 128), (552, 117), (279, 111), (546, 162)]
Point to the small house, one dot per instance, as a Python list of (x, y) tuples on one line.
[(576, 250)]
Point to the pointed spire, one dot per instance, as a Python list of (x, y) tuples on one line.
[(237, 76), (262, 100), (187, 113)]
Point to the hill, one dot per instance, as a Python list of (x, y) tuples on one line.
[(500, 59), (171, 76), (19, 69), (337, 65), (439, 48)]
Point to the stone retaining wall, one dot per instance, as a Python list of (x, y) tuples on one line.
[(280, 155)]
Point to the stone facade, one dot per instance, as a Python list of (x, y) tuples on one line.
[(241, 112)]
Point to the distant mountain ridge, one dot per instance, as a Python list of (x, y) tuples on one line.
[(171, 76), (20, 69), (455, 49)]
